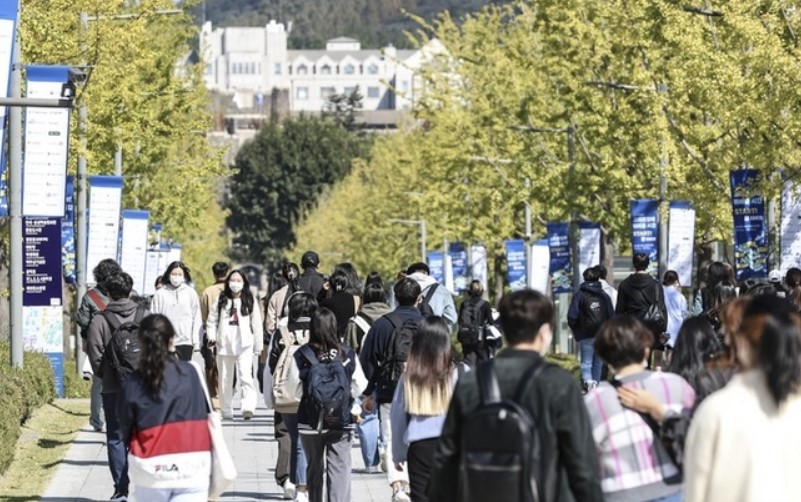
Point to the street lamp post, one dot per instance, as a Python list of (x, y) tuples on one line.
[(570, 131), (423, 234)]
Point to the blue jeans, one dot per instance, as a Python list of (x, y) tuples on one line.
[(297, 457), (591, 364), (96, 403), (115, 446), (368, 430)]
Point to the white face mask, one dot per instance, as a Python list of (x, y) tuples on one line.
[(176, 280), (236, 287)]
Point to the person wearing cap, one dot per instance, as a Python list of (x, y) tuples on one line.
[(775, 278), (311, 281)]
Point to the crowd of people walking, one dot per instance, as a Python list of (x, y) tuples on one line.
[(677, 400)]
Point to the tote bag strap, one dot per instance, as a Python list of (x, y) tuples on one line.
[(202, 379)]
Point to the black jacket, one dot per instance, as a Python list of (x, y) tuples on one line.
[(569, 470), (638, 292), (375, 345), (310, 281), (574, 313)]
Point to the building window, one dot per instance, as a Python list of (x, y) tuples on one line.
[(252, 68), (209, 69), (277, 69), (372, 69), (302, 93), (350, 90), (349, 69), (303, 69), (325, 70), (327, 92), (373, 92)]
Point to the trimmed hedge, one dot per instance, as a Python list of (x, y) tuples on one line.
[(21, 392), (75, 387)]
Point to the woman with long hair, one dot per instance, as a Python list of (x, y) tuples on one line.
[(235, 328), (793, 281), (162, 408), (180, 303), (696, 343), (743, 442), (716, 273), (326, 435), (341, 300), (421, 401), (632, 465)]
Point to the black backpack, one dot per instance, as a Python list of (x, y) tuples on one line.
[(500, 443), (123, 347), (393, 361), (329, 400), (470, 330), (425, 305), (592, 313)]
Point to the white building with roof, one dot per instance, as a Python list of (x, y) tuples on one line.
[(249, 63)]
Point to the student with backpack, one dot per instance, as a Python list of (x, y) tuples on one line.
[(436, 299), (287, 340), (385, 350), (234, 329), (375, 306), (475, 314), (164, 421), (517, 428), (326, 376), (92, 303), (113, 350), (590, 308), (421, 401)]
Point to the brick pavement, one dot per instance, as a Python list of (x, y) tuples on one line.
[(83, 474)]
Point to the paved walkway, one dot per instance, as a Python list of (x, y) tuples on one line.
[(83, 474)]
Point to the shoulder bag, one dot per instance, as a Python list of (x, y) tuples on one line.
[(223, 470)]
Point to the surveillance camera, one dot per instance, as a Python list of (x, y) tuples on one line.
[(79, 74)]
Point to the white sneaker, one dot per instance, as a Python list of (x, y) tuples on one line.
[(302, 497), (400, 496), (383, 462), (289, 490)]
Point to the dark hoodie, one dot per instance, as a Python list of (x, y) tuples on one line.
[(594, 288), (638, 292), (99, 334)]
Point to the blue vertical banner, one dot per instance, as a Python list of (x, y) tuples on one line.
[(750, 229), (516, 263), (42, 315), (68, 233), (8, 30), (436, 265), (458, 254), (645, 231), (559, 248)]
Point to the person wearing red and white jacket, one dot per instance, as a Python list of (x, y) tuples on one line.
[(163, 416)]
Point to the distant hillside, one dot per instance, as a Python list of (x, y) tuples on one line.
[(374, 22)]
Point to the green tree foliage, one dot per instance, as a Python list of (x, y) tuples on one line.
[(651, 87), (374, 22), (141, 96), (279, 176)]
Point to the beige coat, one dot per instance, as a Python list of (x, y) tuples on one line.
[(741, 448)]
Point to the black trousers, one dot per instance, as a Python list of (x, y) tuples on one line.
[(474, 354), (184, 352), (419, 461), (284, 450)]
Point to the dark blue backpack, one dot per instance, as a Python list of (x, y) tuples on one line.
[(328, 400)]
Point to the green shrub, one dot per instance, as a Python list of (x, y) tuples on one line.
[(567, 362), (21, 392), (75, 387)]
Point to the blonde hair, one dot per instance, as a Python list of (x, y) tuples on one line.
[(428, 379)]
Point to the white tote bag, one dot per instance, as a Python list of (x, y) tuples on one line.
[(223, 470)]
